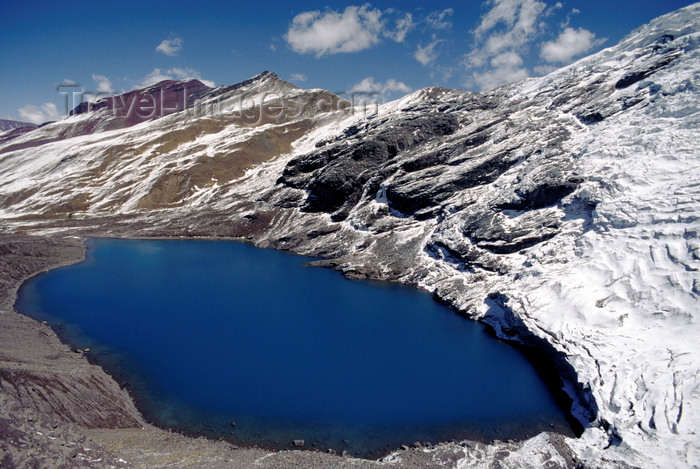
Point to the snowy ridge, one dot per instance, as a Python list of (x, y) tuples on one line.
[(563, 211)]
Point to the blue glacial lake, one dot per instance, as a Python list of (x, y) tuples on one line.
[(206, 333)]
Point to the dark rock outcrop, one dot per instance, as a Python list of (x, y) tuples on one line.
[(336, 176)]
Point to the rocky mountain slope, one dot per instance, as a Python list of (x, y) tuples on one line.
[(563, 211)]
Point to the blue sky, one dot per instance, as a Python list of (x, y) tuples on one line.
[(382, 46)]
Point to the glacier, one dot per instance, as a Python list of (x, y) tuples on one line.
[(563, 211)]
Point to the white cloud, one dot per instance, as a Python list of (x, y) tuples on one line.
[(104, 85), (570, 43), (509, 31), (157, 75), (506, 31), (298, 77), (39, 114), (170, 46), (504, 68), (403, 26), (509, 12), (354, 29), (427, 54), (438, 19), (567, 20), (332, 32), (369, 86), (542, 70), (443, 73), (520, 23)]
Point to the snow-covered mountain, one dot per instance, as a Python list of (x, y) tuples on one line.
[(563, 211), (6, 125)]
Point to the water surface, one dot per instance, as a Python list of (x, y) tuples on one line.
[(206, 333)]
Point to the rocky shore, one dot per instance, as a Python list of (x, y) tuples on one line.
[(58, 410)]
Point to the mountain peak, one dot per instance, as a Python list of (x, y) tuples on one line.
[(266, 75)]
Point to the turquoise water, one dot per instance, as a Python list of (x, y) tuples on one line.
[(205, 333)]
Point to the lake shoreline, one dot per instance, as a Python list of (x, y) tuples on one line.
[(48, 253)]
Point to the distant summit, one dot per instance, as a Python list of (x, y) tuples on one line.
[(170, 96), (140, 105), (6, 125)]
